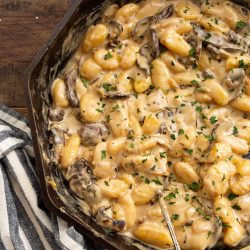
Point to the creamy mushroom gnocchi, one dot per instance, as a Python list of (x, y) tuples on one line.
[(157, 97)]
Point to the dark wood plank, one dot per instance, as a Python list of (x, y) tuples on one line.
[(25, 25), (22, 37), (22, 111), (33, 8), (11, 84)]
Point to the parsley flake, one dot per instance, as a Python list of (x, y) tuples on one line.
[(232, 196), (192, 52), (236, 207), (175, 216), (240, 25), (103, 154), (213, 119), (181, 132), (108, 56), (194, 186)]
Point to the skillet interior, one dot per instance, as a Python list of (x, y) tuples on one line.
[(42, 72)]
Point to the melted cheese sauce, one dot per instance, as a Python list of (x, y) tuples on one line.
[(174, 94)]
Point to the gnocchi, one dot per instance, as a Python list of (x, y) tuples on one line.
[(156, 100)]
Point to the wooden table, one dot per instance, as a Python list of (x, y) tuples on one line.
[(25, 25)]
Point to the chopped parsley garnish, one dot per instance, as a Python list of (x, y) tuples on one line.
[(175, 216), (194, 186), (147, 181), (236, 207), (189, 151), (209, 234), (202, 212), (163, 154), (235, 130), (208, 35), (240, 25), (209, 137), (195, 82), (225, 224), (103, 154), (153, 168), (172, 136), (198, 109), (187, 198), (115, 108), (135, 174), (242, 64), (108, 56), (232, 196), (170, 196), (84, 81), (99, 110), (181, 132), (156, 181), (192, 52), (213, 119), (108, 87), (106, 183)]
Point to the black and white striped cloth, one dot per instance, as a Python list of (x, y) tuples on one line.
[(23, 225)]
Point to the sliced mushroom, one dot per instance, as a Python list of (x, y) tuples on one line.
[(208, 74), (56, 140), (167, 117), (217, 53), (247, 156), (148, 53), (116, 95), (145, 51), (56, 114), (103, 219), (56, 136), (109, 13), (239, 39), (115, 29), (195, 40), (244, 3), (81, 182), (216, 233), (141, 27), (233, 82), (93, 133), (70, 80), (166, 12), (216, 40), (223, 129), (143, 63), (154, 43)]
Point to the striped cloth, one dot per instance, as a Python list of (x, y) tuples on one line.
[(23, 225)]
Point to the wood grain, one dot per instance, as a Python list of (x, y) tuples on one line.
[(25, 25), (22, 37), (33, 8)]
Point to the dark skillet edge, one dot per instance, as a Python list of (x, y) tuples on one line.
[(50, 198)]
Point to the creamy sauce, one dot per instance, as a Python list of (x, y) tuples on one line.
[(162, 103)]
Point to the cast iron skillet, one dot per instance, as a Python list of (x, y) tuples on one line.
[(43, 70)]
